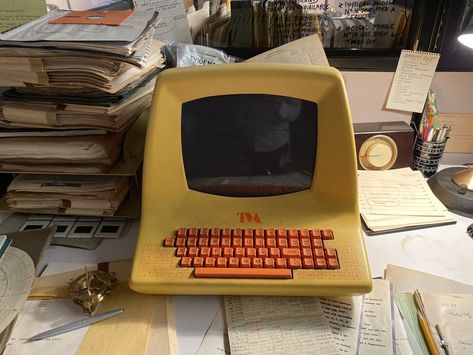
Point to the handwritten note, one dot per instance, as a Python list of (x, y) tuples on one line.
[(461, 136), (376, 336), (18, 12), (172, 25), (412, 80), (344, 317), (284, 325), (453, 313)]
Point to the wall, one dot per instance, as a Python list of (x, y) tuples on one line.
[(368, 92)]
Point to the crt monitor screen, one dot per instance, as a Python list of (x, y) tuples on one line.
[(249, 145)]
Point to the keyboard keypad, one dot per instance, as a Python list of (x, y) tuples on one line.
[(260, 253)]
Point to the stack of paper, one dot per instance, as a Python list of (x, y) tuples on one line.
[(398, 199), (89, 195)]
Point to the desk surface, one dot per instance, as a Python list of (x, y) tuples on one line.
[(444, 251)]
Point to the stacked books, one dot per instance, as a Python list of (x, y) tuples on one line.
[(77, 81)]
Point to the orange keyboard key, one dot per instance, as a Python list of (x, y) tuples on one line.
[(308, 263), (186, 261), (331, 253), (271, 242), (240, 252), (248, 232), (317, 243), (251, 253), (257, 263), (281, 263), (245, 262), (332, 263), (198, 261), (304, 234), (225, 242), (294, 263), (306, 253), (327, 234), (203, 242), (181, 232), (214, 242), (181, 251), (294, 243), (193, 252), (209, 262), (282, 243), (315, 233), (233, 262), (305, 243), (274, 253), (237, 242), (259, 243), (293, 233), (290, 253), (248, 242), (237, 232), (226, 232), (319, 253), (270, 233), (238, 273), (191, 242), (259, 233), (204, 232), (192, 232), (216, 252), (181, 242), (227, 252), (262, 253), (269, 263), (221, 262), (205, 252), (320, 263), (281, 232), (214, 232), (169, 242)]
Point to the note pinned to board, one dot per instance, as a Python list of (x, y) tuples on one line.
[(461, 136), (412, 80), (18, 12)]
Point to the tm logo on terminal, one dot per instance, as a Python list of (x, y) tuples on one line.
[(248, 217)]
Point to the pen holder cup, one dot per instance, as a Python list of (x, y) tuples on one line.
[(427, 156)]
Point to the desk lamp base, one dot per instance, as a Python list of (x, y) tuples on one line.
[(452, 186)]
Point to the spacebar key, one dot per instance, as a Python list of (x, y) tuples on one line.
[(242, 273)]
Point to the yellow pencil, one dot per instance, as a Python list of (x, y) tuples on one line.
[(429, 340)]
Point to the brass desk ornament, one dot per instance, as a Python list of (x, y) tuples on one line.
[(91, 288)]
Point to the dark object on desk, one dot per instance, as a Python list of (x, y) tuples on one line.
[(383, 145), (454, 192), (469, 230), (427, 155), (32, 242)]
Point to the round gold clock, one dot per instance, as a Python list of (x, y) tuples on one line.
[(378, 153)]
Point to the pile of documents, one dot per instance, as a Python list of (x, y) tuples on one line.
[(76, 82), (398, 199), (67, 73), (80, 195)]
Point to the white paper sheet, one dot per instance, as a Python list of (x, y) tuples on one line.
[(39, 316)]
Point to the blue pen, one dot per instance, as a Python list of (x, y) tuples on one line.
[(76, 325)]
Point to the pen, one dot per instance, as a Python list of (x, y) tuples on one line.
[(443, 342), (77, 324), (429, 340)]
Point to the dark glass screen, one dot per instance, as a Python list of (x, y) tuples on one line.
[(249, 144)]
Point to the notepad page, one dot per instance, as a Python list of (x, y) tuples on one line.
[(278, 325)]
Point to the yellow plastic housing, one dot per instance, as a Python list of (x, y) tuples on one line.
[(331, 202)]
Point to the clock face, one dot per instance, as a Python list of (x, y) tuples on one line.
[(378, 153)]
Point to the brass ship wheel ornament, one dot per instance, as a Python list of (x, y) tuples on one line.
[(91, 288)]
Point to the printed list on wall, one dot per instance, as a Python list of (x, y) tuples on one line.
[(412, 80)]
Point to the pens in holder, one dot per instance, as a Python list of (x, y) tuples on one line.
[(76, 325)]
